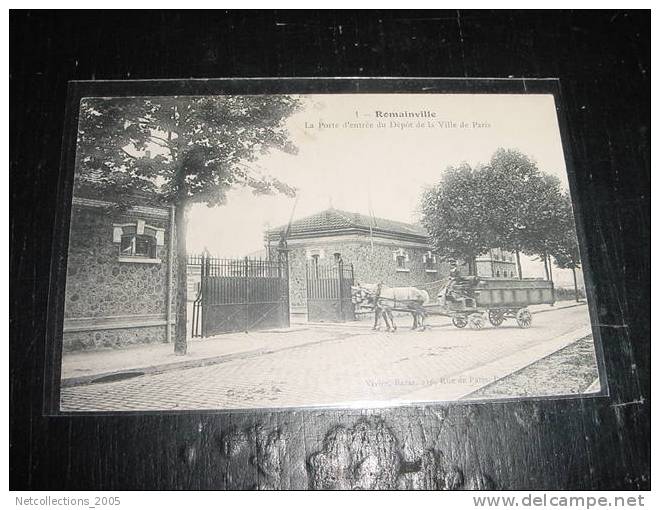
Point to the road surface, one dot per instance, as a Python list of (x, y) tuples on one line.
[(351, 366)]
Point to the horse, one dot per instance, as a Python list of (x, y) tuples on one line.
[(387, 299), (369, 296)]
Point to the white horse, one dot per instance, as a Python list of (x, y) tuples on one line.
[(385, 300)]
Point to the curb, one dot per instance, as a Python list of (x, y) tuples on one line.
[(584, 303)]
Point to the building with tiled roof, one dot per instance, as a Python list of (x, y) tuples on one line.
[(380, 250), (337, 222)]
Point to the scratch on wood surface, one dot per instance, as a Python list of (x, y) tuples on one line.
[(460, 35), (616, 326), (639, 401)]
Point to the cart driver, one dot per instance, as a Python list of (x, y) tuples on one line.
[(454, 272), (455, 286)]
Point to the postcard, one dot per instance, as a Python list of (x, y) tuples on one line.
[(271, 250)]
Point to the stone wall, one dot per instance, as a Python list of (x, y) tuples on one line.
[(113, 338), (108, 302), (370, 265)]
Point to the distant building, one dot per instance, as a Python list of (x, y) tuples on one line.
[(120, 284), (497, 263), (381, 250)]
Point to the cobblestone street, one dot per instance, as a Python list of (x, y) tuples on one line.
[(352, 365)]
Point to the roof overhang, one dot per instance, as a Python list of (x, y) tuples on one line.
[(274, 235)]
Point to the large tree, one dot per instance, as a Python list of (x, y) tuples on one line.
[(545, 221), (455, 214), (521, 201), (180, 150), (564, 245)]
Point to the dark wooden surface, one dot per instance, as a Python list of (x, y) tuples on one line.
[(603, 62)]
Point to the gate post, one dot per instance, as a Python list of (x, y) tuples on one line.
[(340, 281), (205, 267), (283, 266), (351, 281)]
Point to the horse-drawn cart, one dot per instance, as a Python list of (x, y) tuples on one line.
[(469, 300)]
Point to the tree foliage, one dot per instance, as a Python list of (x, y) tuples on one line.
[(455, 213), (564, 245), (520, 198), (508, 203), (182, 149)]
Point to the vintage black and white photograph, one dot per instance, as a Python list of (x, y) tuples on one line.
[(275, 251)]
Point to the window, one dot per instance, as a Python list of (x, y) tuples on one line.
[(498, 273), (430, 262), (134, 245), (337, 256), (505, 273), (138, 242), (401, 259)]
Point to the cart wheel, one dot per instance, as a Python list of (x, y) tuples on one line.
[(496, 317), (459, 321), (476, 321), (524, 318)]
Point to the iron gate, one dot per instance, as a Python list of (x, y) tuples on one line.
[(240, 295), (329, 292)]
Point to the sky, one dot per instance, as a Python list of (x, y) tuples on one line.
[(347, 160)]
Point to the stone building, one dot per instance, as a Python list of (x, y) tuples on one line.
[(121, 275), (381, 250), (497, 263)]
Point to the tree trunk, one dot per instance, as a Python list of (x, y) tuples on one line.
[(577, 295), (551, 279), (518, 263), (545, 266), (180, 336)]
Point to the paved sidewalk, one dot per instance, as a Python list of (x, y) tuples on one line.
[(84, 367)]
